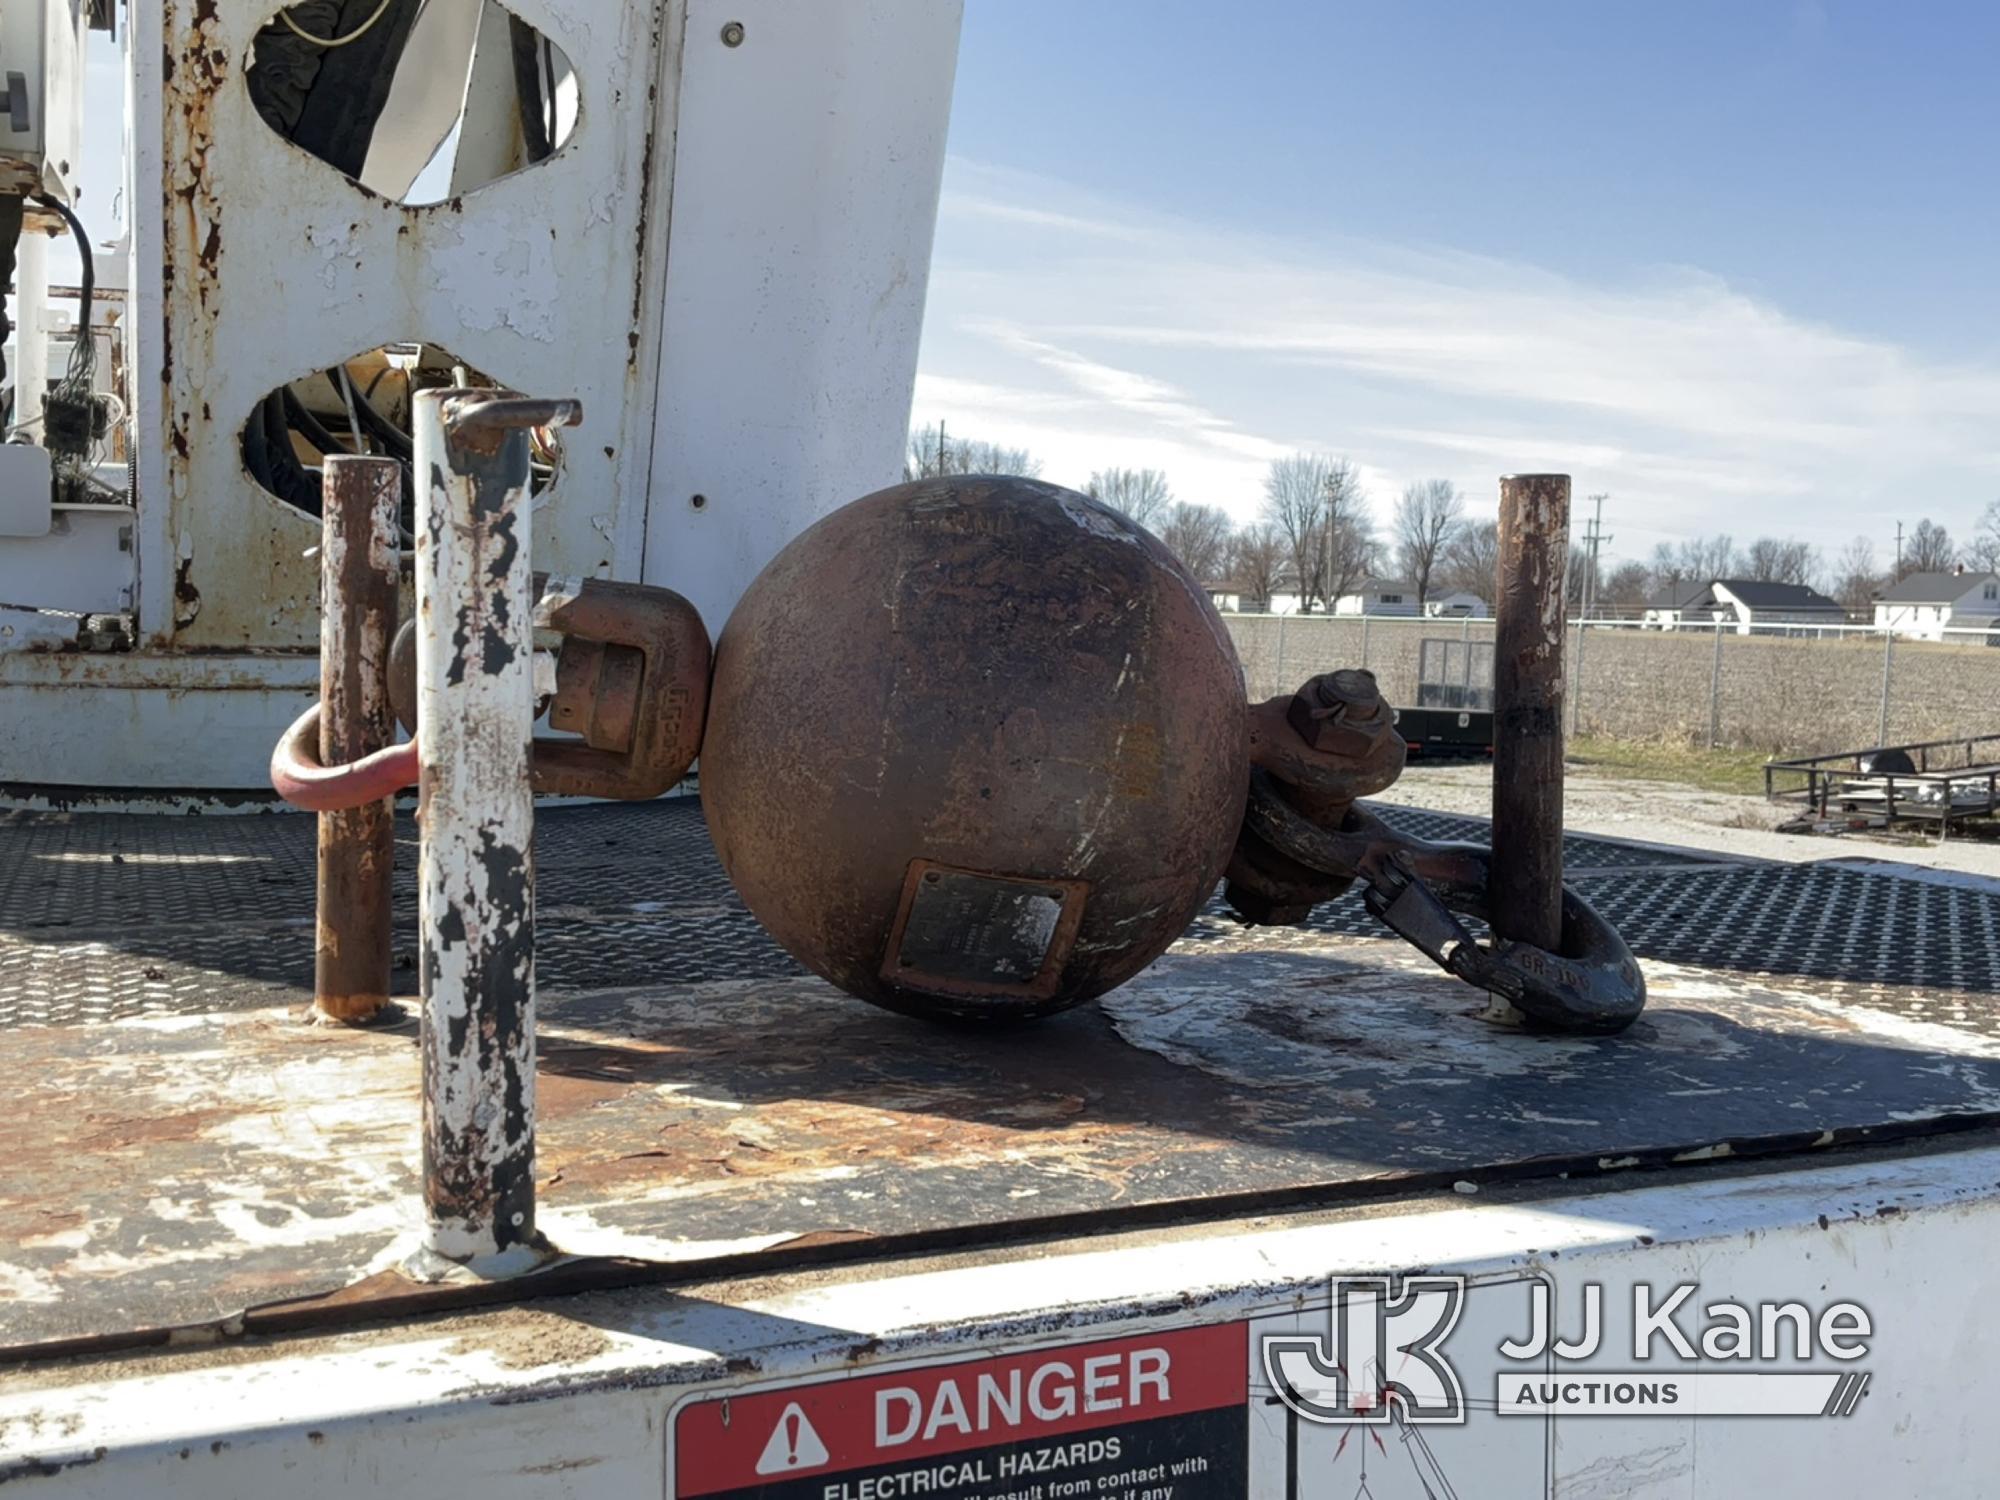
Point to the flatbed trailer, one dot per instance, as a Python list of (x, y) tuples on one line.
[(789, 1220), (1931, 783)]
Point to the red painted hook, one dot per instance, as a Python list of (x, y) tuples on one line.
[(298, 776)]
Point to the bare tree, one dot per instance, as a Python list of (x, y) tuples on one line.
[(1667, 567), (1347, 541), (1471, 558), (1929, 549), (933, 452), (1624, 589), (1425, 517), (1983, 551), (1295, 507), (1142, 494), (1712, 557), (1199, 536), (1317, 506), (1856, 579), (1772, 559), (1701, 559), (1260, 552)]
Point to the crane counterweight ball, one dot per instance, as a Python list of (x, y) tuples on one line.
[(975, 748)]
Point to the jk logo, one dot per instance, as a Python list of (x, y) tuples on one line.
[(1381, 1346)]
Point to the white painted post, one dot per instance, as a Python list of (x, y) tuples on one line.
[(1576, 685), (1715, 692), (476, 879)]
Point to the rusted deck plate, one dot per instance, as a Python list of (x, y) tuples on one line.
[(104, 917), (177, 1169)]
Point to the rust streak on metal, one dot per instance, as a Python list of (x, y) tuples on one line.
[(362, 499), (1527, 709)]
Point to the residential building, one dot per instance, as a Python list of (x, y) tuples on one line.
[(1379, 596), (1743, 606), (1933, 606), (1667, 607)]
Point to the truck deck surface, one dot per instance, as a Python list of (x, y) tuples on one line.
[(189, 1155)]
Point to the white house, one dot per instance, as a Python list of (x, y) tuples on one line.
[(1668, 606), (1378, 596), (1373, 597), (1924, 606), (1742, 606), (1457, 605)]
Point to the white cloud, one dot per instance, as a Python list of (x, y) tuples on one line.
[(1097, 334)]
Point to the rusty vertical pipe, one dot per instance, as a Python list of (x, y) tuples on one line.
[(1527, 709), (361, 501), (475, 709)]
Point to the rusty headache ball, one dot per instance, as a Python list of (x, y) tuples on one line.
[(975, 748)]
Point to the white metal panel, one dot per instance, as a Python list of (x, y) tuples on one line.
[(571, 1397), (26, 500), (807, 168), (276, 266), (81, 562), (43, 41), (162, 722)]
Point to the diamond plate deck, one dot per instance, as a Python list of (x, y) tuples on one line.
[(105, 917), (187, 1152)]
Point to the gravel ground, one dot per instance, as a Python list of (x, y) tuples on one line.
[(1661, 812)]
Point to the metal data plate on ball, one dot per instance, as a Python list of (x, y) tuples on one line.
[(964, 932)]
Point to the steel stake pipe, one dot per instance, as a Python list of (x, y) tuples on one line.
[(476, 879), (1527, 896), (361, 503)]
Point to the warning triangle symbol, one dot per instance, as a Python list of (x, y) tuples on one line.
[(794, 1445)]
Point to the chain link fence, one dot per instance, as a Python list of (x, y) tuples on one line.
[(1777, 689)]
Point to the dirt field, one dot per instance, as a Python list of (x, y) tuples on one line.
[(1671, 813)]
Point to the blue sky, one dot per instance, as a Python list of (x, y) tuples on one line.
[(1736, 264)]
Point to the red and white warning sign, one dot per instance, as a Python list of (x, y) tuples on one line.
[(1154, 1417)]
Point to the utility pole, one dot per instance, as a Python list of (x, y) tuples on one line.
[(1326, 555), (1899, 554), (1593, 538)]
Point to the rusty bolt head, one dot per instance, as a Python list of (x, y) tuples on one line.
[(1339, 712)]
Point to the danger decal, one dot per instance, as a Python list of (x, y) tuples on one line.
[(1157, 1417)]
